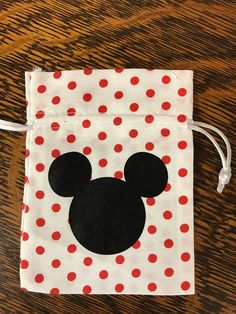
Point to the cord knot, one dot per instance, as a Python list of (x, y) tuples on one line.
[(224, 178)]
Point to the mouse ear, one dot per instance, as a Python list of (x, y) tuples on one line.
[(146, 174), (68, 173)]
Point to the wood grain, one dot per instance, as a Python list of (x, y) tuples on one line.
[(70, 34)]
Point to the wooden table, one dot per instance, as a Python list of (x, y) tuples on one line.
[(72, 34)]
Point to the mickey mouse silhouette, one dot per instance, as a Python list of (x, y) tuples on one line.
[(107, 215)]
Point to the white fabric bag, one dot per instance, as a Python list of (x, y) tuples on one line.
[(108, 197)]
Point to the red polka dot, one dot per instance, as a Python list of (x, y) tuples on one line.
[(23, 289), (40, 194), (150, 201), (88, 261), (42, 89), (118, 174), (152, 229), (166, 159), (26, 103), (119, 287), (56, 100), (40, 114), (40, 250), (25, 236), (152, 286), (149, 118), (102, 136), (88, 71), (103, 83), (136, 273), (56, 207), (182, 92), (182, 172), (55, 126), (102, 162), (169, 272), (181, 118), (118, 148), (168, 243), (39, 278), (24, 264), (57, 74), (120, 259), (26, 208), (71, 138), (167, 188), (149, 146), (183, 200), (165, 132), (27, 153), (167, 214), (166, 105), (87, 289), (40, 222), (150, 93), (134, 80), (71, 276), (26, 180), (87, 97), (117, 121), (103, 274), (39, 140), (134, 107), (40, 167), (55, 153), (185, 285), (152, 258), (118, 94), (87, 150), (54, 291), (184, 228), (166, 79), (133, 133), (71, 112), (72, 85), (136, 245), (86, 123), (102, 109), (71, 248), (56, 235), (56, 263), (182, 144), (185, 257), (119, 70)]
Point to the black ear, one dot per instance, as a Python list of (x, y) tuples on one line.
[(146, 174), (68, 173)]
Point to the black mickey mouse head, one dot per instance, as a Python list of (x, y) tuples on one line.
[(107, 215)]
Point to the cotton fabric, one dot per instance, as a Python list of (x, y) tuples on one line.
[(108, 115)]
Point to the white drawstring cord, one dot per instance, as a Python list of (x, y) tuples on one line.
[(225, 172), (17, 127)]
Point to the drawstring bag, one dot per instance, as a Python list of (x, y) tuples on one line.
[(108, 196)]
